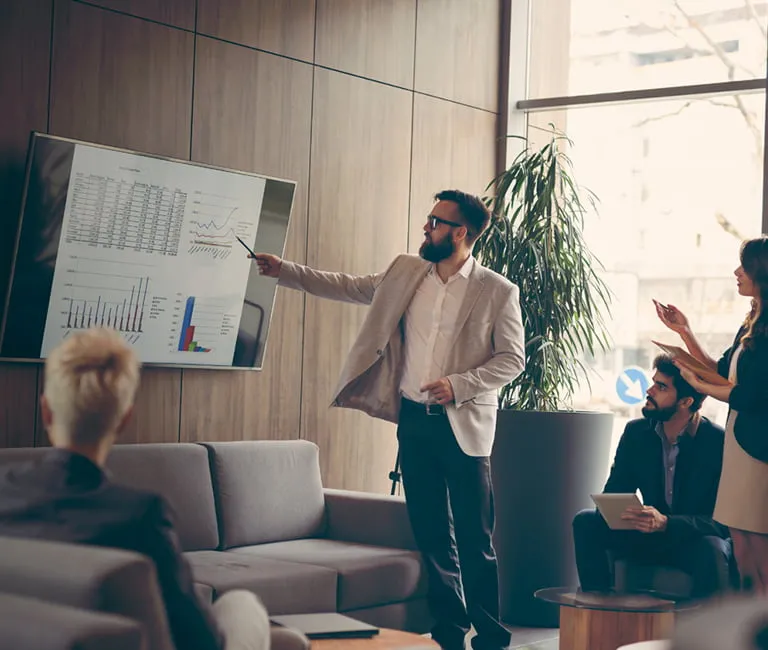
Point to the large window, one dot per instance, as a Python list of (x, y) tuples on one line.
[(679, 178), (596, 46)]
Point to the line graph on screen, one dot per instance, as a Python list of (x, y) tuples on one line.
[(214, 225)]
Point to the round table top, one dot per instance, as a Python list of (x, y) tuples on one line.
[(386, 639), (611, 601)]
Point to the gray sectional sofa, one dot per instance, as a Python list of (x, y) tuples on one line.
[(254, 515)]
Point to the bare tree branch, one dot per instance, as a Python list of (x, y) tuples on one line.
[(658, 118), (756, 18), (716, 49)]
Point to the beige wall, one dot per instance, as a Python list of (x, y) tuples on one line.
[(371, 105)]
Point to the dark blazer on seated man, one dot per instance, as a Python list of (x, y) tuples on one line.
[(674, 457), (65, 497), (90, 384)]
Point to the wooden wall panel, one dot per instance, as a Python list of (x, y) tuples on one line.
[(280, 26), (155, 414), (369, 38), (126, 82), (121, 81), (253, 112), (457, 50), (180, 13), (358, 207), (25, 34), (453, 148), (18, 404)]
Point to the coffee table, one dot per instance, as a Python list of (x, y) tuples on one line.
[(386, 639), (605, 621)]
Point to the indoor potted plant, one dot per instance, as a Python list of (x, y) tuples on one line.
[(547, 458)]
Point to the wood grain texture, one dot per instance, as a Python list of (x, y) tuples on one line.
[(121, 81), (25, 34), (18, 404), (454, 147), (588, 629), (252, 112), (179, 13), (457, 50), (156, 409), (358, 207), (385, 640), (369, 38), (281, 26)]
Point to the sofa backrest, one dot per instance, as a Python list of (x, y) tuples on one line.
[(181, 473), (267, 491), (87, 577), (20, 455)]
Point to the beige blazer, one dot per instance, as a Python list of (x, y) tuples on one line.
[(487, 352)]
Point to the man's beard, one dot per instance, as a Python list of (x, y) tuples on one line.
[(658, 414), (437, 251)]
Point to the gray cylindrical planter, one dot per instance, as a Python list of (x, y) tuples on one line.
[(544, 466)]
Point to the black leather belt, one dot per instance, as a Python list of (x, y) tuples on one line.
[(426, 409)]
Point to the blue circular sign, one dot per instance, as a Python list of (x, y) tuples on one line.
[(632, 384)]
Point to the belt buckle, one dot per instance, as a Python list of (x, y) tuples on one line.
[(435, 409)]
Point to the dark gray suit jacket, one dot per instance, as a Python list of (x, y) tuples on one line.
[(65, 497)]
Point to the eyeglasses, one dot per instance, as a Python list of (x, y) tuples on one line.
[(433, 221)]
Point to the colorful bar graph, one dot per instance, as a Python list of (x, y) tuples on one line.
[(187, 341)]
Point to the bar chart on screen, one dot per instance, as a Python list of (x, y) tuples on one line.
[(99, 292), (207, 325)]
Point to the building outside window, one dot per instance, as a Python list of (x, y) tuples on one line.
[(664, 101)]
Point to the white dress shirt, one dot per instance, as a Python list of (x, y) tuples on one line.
[(430, 321)]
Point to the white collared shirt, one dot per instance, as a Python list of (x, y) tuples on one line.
[(430, 321)]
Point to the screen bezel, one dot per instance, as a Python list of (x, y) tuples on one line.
[(34, 136)]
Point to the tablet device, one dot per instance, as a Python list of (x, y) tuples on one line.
[(612, 506)]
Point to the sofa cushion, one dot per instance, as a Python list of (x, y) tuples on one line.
[(283, 587), (267, 491), (368, 575), (87, 577), (32, 624), (181, 473)]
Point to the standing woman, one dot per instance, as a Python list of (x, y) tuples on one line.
[(742, 498)]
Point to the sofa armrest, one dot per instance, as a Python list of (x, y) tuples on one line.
[(366, 518), (33, 624)]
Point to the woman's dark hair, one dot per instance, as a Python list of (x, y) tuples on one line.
[(754, 261)]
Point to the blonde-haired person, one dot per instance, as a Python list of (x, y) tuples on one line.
[(742, 496), (90, 384)]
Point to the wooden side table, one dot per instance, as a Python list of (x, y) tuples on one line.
[(386, 639), (593, 621)]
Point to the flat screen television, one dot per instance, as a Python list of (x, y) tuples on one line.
[(146, 245)]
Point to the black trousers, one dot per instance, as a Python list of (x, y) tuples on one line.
[(450, 505), (707, 559)]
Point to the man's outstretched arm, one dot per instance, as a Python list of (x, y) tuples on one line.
[(323, 284)]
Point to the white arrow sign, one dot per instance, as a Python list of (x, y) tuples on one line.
[(634, 388)]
